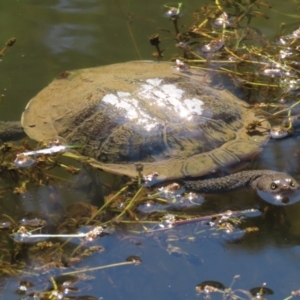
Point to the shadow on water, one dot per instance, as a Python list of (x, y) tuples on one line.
[(261, 245)]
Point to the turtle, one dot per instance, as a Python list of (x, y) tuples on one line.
[(173, 122), (177, 124), (11, 130)]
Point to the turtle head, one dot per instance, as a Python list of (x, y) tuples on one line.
[(278, 188)]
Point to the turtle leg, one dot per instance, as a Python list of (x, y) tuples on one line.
[(12, 130)]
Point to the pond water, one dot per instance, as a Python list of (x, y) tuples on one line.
[(58, 35)]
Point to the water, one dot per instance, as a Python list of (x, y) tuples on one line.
[(58, 35)]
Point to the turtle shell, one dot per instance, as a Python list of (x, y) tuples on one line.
[(175, 123)]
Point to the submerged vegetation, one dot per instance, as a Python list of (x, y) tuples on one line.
[(221, 41)]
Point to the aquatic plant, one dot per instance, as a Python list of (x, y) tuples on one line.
[(222, 41)]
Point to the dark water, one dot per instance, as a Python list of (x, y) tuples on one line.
[(58, 35)]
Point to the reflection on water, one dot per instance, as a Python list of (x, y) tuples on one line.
[(76, 6), (66, 37), (54, 36)]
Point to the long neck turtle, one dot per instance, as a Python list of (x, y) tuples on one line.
[(274, 187), (11, 130), (176, 123)]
